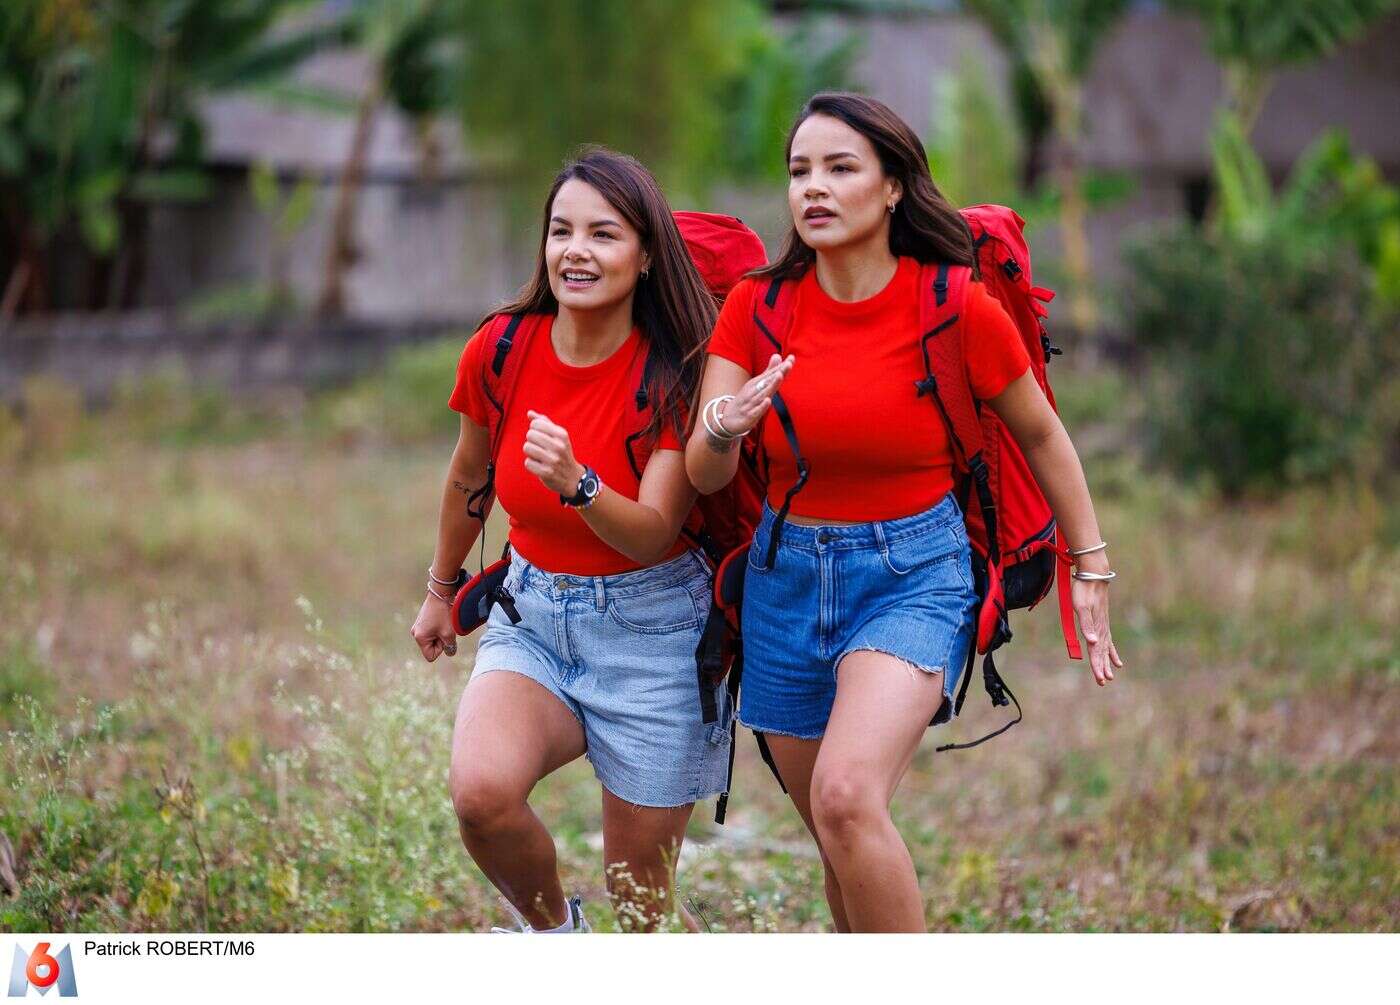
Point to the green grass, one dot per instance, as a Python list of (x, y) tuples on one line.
[(211, 714)]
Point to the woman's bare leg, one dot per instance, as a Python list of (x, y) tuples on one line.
[(882, 708), (796, 759), (510, 733), (640, 847)]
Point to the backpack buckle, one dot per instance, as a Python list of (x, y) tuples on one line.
[(996, 688), (501, 596), (927, 386)]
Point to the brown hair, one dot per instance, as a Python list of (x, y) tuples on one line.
[(925, 226), (671, 305)]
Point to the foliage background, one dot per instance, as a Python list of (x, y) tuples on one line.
[(211, 715)]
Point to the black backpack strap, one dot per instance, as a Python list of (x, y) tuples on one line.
[(634, 446), (767, 756), (504, 344), (803, 471), (709, 662), (772, 319), (735, 672), (996, 690)]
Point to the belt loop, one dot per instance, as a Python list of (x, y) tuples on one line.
[(879, 529), (600, 597)]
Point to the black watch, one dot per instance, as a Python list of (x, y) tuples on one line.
[(588, 488)]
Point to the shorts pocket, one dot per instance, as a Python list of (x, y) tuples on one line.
[(758, 551), (656, 612), (904, 555)]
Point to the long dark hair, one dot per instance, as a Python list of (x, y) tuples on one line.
[(925, 226), (671, 305)]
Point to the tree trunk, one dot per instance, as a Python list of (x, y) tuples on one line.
[(14, 291), (27, 285), (130, 272), (1246, 90), (343, 253)]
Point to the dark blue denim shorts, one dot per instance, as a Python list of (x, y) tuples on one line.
[(902, 587)]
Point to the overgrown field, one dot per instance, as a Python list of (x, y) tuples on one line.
[(212, 715)]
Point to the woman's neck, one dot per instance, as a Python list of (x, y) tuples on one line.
[(582, 338), (858, 272)]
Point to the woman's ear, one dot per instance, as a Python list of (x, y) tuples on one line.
[(896, 192)]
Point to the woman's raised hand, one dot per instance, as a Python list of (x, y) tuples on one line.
[(549, 455), (741, 415)]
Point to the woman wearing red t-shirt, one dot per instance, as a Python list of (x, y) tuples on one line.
[(854, 637), (600, 637)]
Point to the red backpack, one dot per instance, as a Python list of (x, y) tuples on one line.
[(1009, 522)]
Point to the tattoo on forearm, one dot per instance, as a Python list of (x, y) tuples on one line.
[(719, 444), (464, 489)]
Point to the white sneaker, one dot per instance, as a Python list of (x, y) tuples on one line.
[(574, 924)]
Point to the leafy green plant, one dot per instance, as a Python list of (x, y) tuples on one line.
[(99, 117), (288, 212), (1253, 39), (975, 140), (698, 92), (1051, 44), (1331, 197), (1275, 330)]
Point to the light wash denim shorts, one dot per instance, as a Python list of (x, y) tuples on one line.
[(902, 587), (619, 652)]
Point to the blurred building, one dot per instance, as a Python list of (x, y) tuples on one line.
[(437, 242)]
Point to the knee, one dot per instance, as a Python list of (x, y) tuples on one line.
[(843, 805), (482, 803)]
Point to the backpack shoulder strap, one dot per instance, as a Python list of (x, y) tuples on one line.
[(507, 339), (641, 377), (772, 315), (507, 344), (942, 297), (772, 318), (943, 290)]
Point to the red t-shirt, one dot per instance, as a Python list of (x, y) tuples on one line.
[(590, 402), (876, 451)]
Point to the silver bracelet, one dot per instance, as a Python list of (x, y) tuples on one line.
[(1093, 577), (721, 433), (440, 582), (1088, 551), (719, 422), (445, 600)]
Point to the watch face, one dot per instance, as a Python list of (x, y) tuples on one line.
[(590, 485)]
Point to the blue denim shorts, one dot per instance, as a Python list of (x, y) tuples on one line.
[(902, 587), (619, 652)]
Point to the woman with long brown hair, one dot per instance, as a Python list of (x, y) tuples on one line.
[(592, 650), (858, 616)]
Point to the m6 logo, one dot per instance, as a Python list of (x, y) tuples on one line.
[(43, 971)]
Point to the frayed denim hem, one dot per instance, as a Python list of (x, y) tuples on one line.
[(778, 732), (950, 681)]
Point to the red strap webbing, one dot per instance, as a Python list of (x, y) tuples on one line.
[(945, 363)]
